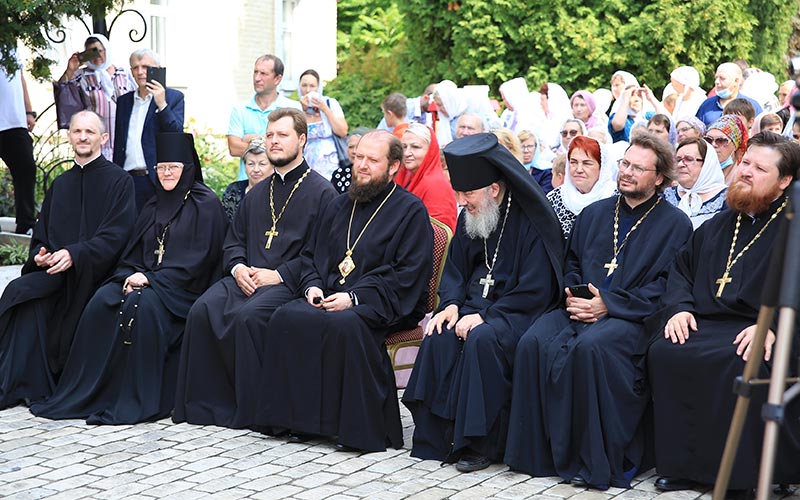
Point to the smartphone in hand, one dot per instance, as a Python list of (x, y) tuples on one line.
[(157, 74), (581, 291)]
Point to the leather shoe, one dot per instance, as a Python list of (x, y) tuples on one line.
[(665, 483), (579, 482), (296, 437), (471, 461), (344, 447)]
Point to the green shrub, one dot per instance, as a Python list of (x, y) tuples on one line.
[(12, 254)]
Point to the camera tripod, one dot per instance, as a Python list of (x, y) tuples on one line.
[(785, 293)]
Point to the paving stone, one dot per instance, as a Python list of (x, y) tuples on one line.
[(18, 463), (75, 494), (200, 442), (563, 491), (349, 466), (325, 491), (32, 494), (369, 489), (6, 446), (24, 473), (475, 493), (166, 477), (591, 495), (61, 451), (72, 482), (75, 458), (505, 479), (218, 484), (633, 494), (432, 494), (278, 492), (333, 458), (241, 451), (463, 481), (159, 467), (358, 478), (21, 485), (261, 471), (157, 456), (414, 486), (115, 480), (679, 495), (103, 449), (200, 453), (65, 472), (265, 483), (211, 475), (391, 465), (303, 470), (295, 459), (168, 490), (122, 491), (316, 479), (207, 463), (25, 451), (401, 476), (230, 494), (520, 491)]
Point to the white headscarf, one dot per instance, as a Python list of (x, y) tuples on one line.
[(602, 100), (101, 70), (711, 178), (454, 105), (605, 186), (762, 86)]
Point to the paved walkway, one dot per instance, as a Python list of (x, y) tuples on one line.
[(67, 459)]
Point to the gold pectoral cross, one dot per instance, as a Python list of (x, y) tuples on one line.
[(724, 280), (611, 266), (270, 234), (160, 253), (486, 282)]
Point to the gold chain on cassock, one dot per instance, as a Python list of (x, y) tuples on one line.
[(487, 281), (161, 250), (346, 266), (725, 278), (273, 232), (611, 266)]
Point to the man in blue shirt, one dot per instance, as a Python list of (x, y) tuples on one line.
[(249, 119), (727, 81)]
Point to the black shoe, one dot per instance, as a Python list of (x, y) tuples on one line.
[(471, 461), (579, 482), (344, 447), (296, 437), (665, 483)]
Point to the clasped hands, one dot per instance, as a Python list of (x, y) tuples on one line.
[(134, 281), (449, 315), (249, 278), (586, 310), (681, 324), (332, 303), (58, 261)]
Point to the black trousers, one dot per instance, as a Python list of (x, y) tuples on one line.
[(16, 150)]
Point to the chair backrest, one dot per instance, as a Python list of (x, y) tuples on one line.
[(441, 241)]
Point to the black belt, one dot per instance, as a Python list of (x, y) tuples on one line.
[(138, 172)]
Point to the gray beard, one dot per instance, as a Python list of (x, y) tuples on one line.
[(485, 222)]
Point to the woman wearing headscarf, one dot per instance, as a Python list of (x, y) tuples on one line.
[(521, 112), (584, 108), (570, 129), (122, 365), (685, 80), (421, 174), (620, 80), (590, 176), (701, 189), (451, 103), (325, 120), (102, 82), (689, 126), (729, 137), (631, 110), (556, 107)]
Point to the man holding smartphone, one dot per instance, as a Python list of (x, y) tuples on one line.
[(141, 116)]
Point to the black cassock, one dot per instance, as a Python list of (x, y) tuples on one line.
[(328, 373), (579, 389), (459, 392), (692, 396), (124, 375), (90, 212), (223, 345)]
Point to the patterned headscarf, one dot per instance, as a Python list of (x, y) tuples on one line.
[(734, 129)]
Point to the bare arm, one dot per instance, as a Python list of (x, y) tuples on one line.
[(238, 145), (618, 122)]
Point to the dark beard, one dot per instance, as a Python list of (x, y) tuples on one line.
[(369, 191), (743, 200), (278, 162)]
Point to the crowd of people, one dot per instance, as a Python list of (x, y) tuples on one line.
[(599, 294)]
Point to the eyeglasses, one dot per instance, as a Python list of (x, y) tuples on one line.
[(637, 170), (570, 133), (717, 141), (687, 159), (528, 147), (683, 130), (168, 168)]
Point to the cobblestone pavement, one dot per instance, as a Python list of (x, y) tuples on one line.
[(67, 459)]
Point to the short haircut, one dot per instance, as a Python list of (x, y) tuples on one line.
[(702, 145), (396, 103), (560, 164), (661, 119), (395, 153), (665, 157), (297, 116), (142, 53), (310, 72), (741, 107), (277, 64), (527, 134), (589, 145), (788, 149), (770, 119), (420, 130), (466, 115), (101, 123), (511, 142)]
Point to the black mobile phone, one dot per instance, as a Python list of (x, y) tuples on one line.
[(581, 291), (157, 74), (88, 55)]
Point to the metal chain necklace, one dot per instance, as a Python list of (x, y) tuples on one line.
[(161, 250), (273, 232), (725, 279), (346, 266), (487, 281), (611, 266)]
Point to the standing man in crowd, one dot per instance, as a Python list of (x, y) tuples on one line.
[(727, 81), (503, 270), (712, 302), (225, 329), (86, 219), (249, 119), (141, 115), (469, 124), (326, 369), (579, 393), (16, 145)]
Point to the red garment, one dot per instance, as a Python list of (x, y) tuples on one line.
[(429, 184), (399, 130)]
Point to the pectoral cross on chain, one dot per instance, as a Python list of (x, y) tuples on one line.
[(270, 234), (486, 282), (160, 253), (724, 280), (611, 266)]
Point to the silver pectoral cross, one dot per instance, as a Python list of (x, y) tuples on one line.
[(159, 253), (486, 282)]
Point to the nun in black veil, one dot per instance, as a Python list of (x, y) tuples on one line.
[(123, 362)]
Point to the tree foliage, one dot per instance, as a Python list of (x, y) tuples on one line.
[(26, 21)]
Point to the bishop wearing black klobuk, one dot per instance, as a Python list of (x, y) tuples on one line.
[(87, 216), (326, 365), (123, 363), (692, 375), (223, 345), (460, 388), (579, 390)]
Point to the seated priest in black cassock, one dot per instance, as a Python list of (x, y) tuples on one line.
[(710, 309), (123, 362), (326, 370), (503, 271), (579, 391), (223, 344), (83, 226)]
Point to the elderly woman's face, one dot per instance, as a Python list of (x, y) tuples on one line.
[(352, 142), (689, 162), (570, 131), (723, 145), (414, 150), (528, 150), (169, 173), (579, 109), (583, 170), (686, 130), (256, 167), (101, 58)]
